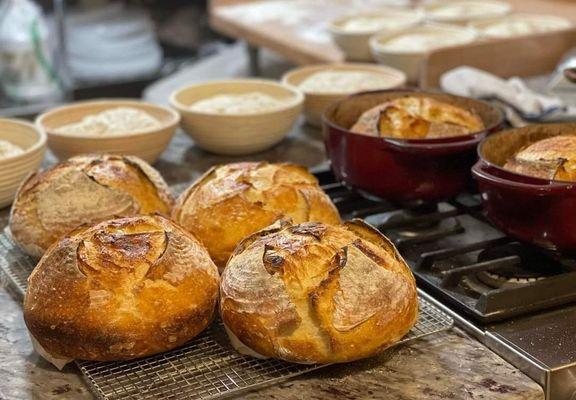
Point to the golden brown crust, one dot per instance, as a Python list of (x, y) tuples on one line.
[(122, 289), (84, 190), (551, 158), (316, 293), (232, 201), (413, 117)]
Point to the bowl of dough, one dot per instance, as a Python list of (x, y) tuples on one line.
[(408, 49), (235, 117), (351, 33), (325, 84), (22, 149), (129, 127)]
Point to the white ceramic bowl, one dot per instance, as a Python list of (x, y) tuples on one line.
[(464, 11), (147, 144), (516, 25), (13, 170), (353, 40), (236, 134), (409, 54), (316, 102)]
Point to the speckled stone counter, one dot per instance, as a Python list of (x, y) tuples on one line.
[(449, 365)]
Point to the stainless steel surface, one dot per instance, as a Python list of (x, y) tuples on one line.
[(205, 368), (543, 347)]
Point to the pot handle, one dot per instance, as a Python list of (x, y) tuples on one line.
[(540, 190), (430, 148)]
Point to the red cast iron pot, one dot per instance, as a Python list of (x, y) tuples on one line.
[(401, 169), (535, 210)]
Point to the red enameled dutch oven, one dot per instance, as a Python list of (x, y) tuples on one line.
[(401, 169), (535, 210)]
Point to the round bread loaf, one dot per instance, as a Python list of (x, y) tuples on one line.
[(417, 118), (315, 293), (550, 158), (84, 190), (121, 289), (232, 201)]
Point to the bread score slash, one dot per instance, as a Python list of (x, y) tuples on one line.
[(414, 117), (84, 190), (316, 293), (551, 158), (122, 289), (233, 201)]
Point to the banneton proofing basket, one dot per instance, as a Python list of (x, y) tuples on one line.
[(535, 210), (402, 169)]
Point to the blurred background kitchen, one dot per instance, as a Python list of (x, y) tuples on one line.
[(56, 51)]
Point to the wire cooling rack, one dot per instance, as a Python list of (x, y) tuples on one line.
[(207, 367)]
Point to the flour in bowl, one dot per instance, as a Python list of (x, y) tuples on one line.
[(9, 149), (112, 122), (367, 24), (519, 25), (345, 82), (245, 103)]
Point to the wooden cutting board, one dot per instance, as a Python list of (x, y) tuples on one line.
[(524, 56)]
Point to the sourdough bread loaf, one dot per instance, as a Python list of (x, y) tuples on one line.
[(84, 190), (122, 289), (316, 293), (233, 201)]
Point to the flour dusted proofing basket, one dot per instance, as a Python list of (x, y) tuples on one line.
[(535, 210), (403, 169)]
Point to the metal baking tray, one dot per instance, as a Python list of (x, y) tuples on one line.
[(207, 367)]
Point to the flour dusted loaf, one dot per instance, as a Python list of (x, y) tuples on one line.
[(232, 201), (315, 293), (416, 117), (84, 190), (121, 289), (550, 158)]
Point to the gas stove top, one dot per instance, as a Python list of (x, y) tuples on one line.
[(518, 300)]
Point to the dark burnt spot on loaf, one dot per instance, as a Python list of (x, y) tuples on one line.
[(247, 241), (368, 252), (314, 229), (272, 259), (135, 245), (340, 258)]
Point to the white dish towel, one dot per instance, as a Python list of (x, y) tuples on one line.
[(522, 104)]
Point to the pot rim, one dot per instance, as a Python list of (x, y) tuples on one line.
[(419, 144), (513, 179)]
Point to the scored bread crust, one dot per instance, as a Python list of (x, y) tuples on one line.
[(417, 118), (84, 190), (551, 158), (315, 293), (232, 201), (122, 289)]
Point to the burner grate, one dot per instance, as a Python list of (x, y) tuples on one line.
[(444, 245)]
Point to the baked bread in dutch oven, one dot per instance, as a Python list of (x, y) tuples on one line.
[(84, 190), (550, 158), (121, 289), (412, 117), (316, 293), (233, 201)]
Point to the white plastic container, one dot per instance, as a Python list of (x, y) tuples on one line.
[(26, 67)]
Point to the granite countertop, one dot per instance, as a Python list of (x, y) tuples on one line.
[(448, 365)]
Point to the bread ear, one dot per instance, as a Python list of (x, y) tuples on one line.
[(277, 226)]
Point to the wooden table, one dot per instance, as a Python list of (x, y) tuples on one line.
[(294, 39)]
